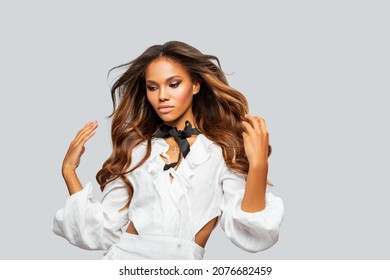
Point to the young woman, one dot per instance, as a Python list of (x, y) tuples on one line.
[(186, 155)]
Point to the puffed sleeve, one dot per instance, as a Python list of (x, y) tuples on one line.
[(252, 232), (93, 225)]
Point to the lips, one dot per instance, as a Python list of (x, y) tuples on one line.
[(164, 109)]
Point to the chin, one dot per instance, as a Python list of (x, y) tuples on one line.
[(166, 118)]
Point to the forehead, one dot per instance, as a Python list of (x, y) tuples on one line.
[(163, 68)]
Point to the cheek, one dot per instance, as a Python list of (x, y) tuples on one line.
[(184, 96), (150, 99)]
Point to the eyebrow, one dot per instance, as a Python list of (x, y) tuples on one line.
[(167, 80)]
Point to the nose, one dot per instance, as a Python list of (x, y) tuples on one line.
[(163, 94)]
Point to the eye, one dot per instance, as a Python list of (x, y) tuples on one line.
[(175, 84), (151, 87)]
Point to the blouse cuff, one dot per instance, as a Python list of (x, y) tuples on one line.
[(81, 220), (255, 231)]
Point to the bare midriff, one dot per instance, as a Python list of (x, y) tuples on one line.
[(200, 238)]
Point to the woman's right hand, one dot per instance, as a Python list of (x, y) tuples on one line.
[(76, 148)]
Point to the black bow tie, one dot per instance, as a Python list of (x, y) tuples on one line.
[(179, 136)]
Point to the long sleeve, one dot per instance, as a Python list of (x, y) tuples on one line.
[(252, 232), (93, 225)]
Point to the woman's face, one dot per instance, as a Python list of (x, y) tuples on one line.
[(169, 89)]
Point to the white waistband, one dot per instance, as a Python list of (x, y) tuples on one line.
[(144, 247)]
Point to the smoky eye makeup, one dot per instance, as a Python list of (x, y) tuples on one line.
[(175, 84), (151, 87)]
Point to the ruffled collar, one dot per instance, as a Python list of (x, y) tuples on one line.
[(199, 153)]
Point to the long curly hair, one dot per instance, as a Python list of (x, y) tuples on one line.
[(218, 110)]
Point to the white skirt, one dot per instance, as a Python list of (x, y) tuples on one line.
[(150, 247)]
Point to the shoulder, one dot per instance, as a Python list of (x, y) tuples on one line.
[(204, 145), (205, 154), (216, 155), (209, 145), (139, 151)]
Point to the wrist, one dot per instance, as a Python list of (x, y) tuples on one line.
[(67, 172), (258, 164), (71, 180)]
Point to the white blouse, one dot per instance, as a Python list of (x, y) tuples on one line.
[(202, 188)]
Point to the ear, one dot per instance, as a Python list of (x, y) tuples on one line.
[(195, 87)]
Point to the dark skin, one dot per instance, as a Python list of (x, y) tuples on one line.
[(168, 83), (200, 238)]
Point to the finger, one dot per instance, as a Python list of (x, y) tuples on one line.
[(247, 129), (263, 128), (254, 122), (86, 136), (82, 150), (86, 133), (262, 123), (87, 127)]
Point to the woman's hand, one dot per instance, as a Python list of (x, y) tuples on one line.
[(76, 148), (256, 140), (256, 148)]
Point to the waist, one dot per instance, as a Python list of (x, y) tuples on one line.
[(157, 247)]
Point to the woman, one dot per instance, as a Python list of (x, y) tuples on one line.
[(185, 156)]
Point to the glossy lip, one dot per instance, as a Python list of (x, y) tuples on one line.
[(165, 108)]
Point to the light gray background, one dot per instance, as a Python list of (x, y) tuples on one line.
[(317, 71)]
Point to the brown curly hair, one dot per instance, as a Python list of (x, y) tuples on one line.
[(218, 110)]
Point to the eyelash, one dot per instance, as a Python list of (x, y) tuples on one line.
[(173, 85), (151, 88)]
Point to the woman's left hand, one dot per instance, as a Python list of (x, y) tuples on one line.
[(256, 140)]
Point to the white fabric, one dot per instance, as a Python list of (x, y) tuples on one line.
[(202, 188), (153, 247)]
